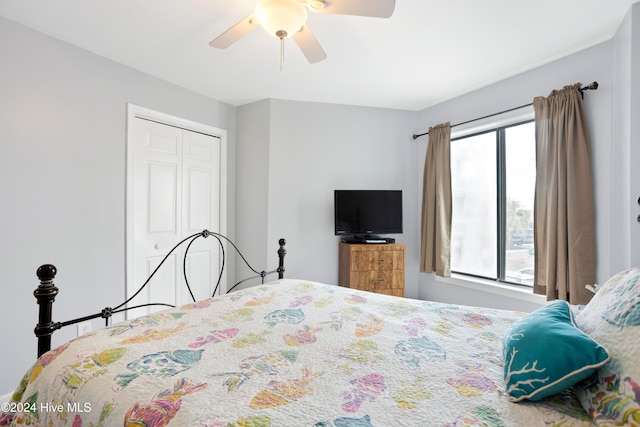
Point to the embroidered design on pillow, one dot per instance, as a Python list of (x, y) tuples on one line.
[(610, 400), (612, 395), (625, 309), (545, 353)]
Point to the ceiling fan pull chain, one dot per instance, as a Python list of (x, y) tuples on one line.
[(281, 34), (281, 52)]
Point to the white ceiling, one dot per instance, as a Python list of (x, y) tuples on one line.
[(427, 52)]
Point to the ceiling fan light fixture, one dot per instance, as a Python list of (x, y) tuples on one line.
[(280, 18)]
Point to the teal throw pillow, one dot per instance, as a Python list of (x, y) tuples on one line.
[(545, 353)]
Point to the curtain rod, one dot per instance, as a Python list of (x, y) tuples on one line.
[(592, 86)]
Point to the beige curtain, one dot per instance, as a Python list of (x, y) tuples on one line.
[(436, 203), (564, 213)]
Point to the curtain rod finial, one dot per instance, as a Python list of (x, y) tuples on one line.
[(592, 86)]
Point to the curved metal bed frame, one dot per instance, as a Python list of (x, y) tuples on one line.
[(46, 292)]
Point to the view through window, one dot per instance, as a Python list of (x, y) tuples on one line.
[(493, 183)]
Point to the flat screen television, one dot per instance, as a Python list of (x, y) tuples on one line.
[(366, 214)]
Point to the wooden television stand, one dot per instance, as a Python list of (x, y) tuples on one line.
[(372, 267)]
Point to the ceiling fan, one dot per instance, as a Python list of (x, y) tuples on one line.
[(287, 18)]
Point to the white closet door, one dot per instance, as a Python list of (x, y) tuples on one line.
[(175, 189), (201, 210)]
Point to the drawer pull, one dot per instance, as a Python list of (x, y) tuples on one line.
[(381, 260), (378, 280)]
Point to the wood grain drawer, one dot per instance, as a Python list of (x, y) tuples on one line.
[(381, 279), (377, 260), (373, 268)]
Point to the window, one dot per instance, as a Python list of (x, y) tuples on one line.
[(493, 183)]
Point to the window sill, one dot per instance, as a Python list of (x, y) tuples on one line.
[(503, 289)]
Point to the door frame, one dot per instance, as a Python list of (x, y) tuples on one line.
[(136, 111)]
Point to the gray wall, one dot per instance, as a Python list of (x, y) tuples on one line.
[(62, 178), (626, 140), (252, 185), (633, 124), (317, 148), (312, 150)]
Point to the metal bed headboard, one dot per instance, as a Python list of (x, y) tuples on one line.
[(47, 291)]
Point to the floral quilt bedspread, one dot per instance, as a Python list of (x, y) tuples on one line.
[(289, 353)]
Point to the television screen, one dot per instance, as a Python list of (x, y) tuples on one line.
[(368, 212)]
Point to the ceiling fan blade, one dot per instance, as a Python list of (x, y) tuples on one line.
[(234, 33), (373, 8), (309, 45)]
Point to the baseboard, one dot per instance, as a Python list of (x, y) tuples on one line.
[(5, 398)]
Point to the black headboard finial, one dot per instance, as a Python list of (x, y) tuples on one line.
[(46, 273), (45, 295), (281, 253)]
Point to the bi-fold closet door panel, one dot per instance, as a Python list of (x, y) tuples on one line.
[(176, 193)]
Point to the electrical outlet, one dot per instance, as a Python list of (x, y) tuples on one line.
[(84, 327)]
